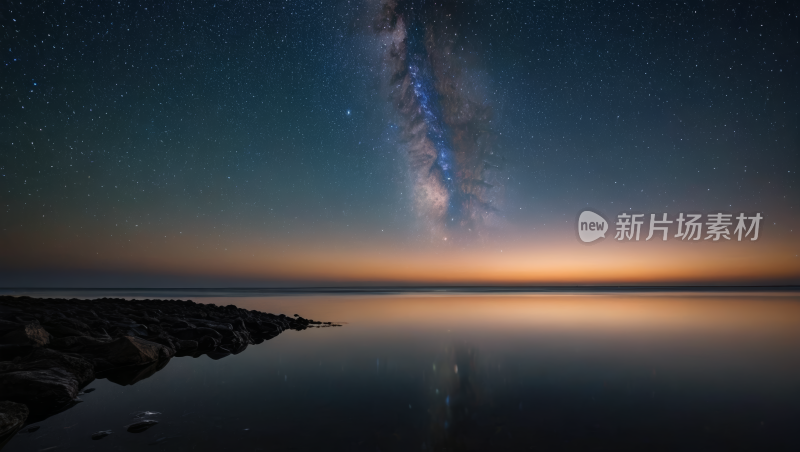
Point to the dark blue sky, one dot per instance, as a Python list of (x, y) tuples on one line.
[(236, 121)]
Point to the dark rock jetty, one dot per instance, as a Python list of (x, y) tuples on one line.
[(52, 348)]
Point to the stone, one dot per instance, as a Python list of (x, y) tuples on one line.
[(9, 352), (12, 417), (64, 327), (208, 342), (30, 333), (44, 378), (139, 427), (77, 344), (133, 351), (187, 345), (101, 434), (129, 375), (7, 326)]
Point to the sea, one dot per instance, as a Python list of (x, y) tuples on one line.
[(465, 369)]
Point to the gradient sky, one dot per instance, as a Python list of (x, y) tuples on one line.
[(259, 143)]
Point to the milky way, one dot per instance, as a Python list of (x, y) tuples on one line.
[(446, 132)]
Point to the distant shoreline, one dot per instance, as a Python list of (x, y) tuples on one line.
[(383, 290)]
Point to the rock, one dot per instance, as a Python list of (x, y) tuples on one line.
[(58, 344), (207, 342), (129, 375), (218, 353), (66, 327), (101, 434), (131, 329), (33, 428), (132, 351), (139, 427), (28, 334), (269, 327), (7, 327), (77, 344), (187, 345), (11, 351), (44, 378), (12, 417), (163, 339), (195, 333)]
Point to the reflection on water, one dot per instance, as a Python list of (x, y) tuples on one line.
[(451, 372)]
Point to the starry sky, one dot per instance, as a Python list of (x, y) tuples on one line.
[(393, 141)]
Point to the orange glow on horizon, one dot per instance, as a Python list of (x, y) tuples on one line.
[(515, 260)]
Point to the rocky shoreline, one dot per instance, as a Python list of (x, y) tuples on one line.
[(50, 349)]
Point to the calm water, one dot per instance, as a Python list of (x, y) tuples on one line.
[(550, 372)]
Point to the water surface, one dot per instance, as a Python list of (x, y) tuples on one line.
[(472, 371)]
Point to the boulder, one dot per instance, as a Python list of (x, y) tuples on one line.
[(126, 376), (269, 327), (208, 342), (184, 345), (12, 417), (131, 329), (64, 327), (44, 378), (77, 344), (30, 333), (101, 434), (11, 351), (195, 333), (133, 351), (7, 326), (139, 427)]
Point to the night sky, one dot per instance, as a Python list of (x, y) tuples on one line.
[(409, 141)]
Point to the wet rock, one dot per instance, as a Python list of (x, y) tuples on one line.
[(132, 351), (139, 427), (101, 434), (45, 377), (163, 339), (30, 333), (178, 323), (269, 327), (129, 375), (218, 353), (130, 329), (10, 351), (7, 326), (78, 344), (195, 333), (207, 342), (45, 382), (186, 345), (65, 327), (12, 416)]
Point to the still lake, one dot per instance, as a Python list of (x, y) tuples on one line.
[(459, 371)]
